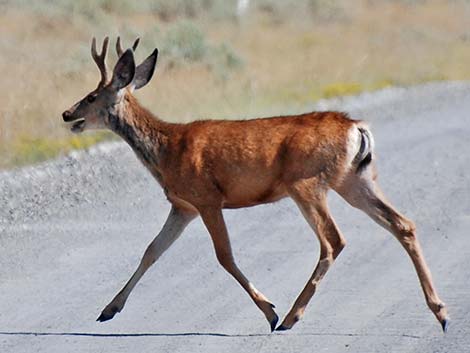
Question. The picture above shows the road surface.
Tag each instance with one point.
(72, 231)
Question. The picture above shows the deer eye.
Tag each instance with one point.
(91, 98)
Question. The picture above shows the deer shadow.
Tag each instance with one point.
(141, 334)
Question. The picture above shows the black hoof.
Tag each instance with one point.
(107, 314)
(274, 323)
(282, 328)
(445, 325)
(104, 317)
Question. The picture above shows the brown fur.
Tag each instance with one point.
(231, 164)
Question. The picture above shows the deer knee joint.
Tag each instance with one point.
(434, 304)
(225, 260)
(408, 226)
(406, 229)
(332, 249)
(338, 247)
(401, 226)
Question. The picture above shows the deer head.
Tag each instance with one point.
(93, 111)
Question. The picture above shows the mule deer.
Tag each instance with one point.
(206, 166)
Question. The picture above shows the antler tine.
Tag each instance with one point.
(136, 43)
(100, 59)
(119, 49)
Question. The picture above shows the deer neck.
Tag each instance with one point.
(144, 132)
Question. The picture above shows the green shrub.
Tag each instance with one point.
(327, 10)
(342, 89)
(28, 150)
(170, 10)
(184, 41)
(222, 60)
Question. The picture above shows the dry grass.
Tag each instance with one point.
(289, 61)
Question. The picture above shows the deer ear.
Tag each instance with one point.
(124, 71)
(144, 72)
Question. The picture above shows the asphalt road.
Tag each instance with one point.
(72, 231)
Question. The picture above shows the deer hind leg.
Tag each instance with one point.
(176, 222)
(215, 224)
(362, 192)
(312, 203)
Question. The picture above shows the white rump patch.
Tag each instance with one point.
(352, 145)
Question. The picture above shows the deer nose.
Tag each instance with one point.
(66, 115)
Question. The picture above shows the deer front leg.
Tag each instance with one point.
(214, 221)
(315, 211)
(176, 222)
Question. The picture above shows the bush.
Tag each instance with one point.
(223, 59)
(342, 89)
(185, 41)
(170, 10)
(28, 150)
(327, 10)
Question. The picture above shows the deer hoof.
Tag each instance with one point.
(282, 328)
(107, 314)
(445, 324)
(104, 317)
(274, 322)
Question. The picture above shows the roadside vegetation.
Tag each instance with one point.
(216, 61)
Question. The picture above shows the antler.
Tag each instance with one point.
(119, 50)
(100, 60)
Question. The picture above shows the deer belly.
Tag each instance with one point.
(258, 190)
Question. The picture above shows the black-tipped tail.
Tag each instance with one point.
(364, 155)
